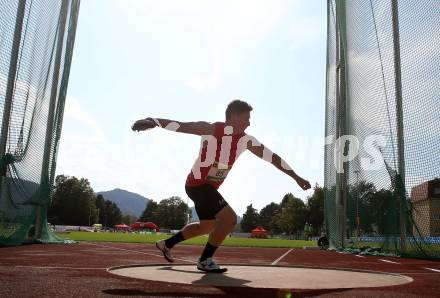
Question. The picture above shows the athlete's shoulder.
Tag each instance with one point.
(218, 129)
(250, 141)
(219, 124)
(249, 137)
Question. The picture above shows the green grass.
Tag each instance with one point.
(201, 240)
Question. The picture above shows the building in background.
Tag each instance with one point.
(425, 199)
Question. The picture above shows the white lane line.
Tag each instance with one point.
(388, 261)
(60, 267)
(277, 260)
(359, 256)
(435, 270)
(140, 252)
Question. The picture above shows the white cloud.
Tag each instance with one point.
(79, 115)
(228, 28)
(83, 145)
(222, 27)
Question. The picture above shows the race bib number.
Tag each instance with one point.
(218, 172)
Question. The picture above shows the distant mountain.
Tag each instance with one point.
(129, 202)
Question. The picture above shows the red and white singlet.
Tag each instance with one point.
(216, 157)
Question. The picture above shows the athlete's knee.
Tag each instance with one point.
(227, 216)
(234, 221)
(230, 220)
(206, 226)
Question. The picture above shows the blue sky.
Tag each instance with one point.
(186, 60)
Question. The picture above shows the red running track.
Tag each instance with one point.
(79, 270)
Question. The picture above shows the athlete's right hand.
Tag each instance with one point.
(143, 124)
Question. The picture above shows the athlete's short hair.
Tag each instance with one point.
(237, 107)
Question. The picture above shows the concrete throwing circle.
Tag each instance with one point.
(264, 276)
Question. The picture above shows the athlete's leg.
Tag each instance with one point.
(189, 231)
(198, 228)
(205, 199)
(226, 219)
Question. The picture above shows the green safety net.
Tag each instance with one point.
(36, 43)
(382, 152)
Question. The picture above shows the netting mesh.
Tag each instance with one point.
(383, 74)
(36, 43)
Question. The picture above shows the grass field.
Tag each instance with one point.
(201, 240)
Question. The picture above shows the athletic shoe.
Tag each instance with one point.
(165, 250)
(209, 265)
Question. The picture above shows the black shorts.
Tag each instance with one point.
(207, 200)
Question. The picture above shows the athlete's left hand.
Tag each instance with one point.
(304, 184)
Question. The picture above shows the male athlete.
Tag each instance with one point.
(221, 144)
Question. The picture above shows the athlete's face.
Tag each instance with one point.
(240, 121)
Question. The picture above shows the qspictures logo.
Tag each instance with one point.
(345, 149)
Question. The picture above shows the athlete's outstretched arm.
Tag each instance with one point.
(263, 152)
(196, 128)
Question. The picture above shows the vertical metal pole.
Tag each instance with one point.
(341, 179)
(73, 21)
(399, 118)
(338, 125)
(357, 203)
(326, 154)
(44, 184)
(344, 187)
(15, 50)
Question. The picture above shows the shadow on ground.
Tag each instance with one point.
(224, 292)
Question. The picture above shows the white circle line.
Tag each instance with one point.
(141, 252)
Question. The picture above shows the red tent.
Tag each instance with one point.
(121, 227)
(144, 226)
(259, 232)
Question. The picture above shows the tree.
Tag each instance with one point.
(100, 206)
(128, 219)
(150, 212)
(172, 213)
(361, 199)
(267, 217)
(315, 206)
(293, 214)
(72, 202)
(109, 212)
(250, 219)
(385, 213)
(112, 214)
